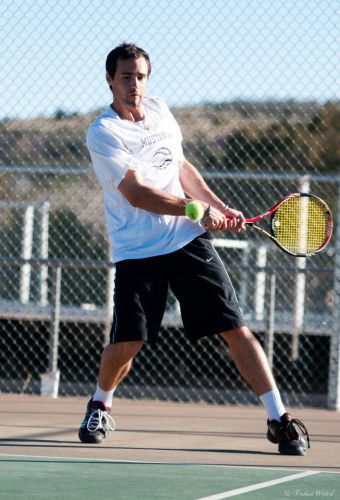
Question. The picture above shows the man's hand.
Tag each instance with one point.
(227, 220)
(235, 220)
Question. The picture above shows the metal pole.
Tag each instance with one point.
(55, 320)
(299, 306)
(43, 253)
(109, 303)
(26, 253)
(300, 288)
(50, 380)
(334, 354)
(271, 321)
(260, 283)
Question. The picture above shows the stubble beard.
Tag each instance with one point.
(134, 102)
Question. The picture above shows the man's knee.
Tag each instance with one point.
(124, 351)
(237, 335)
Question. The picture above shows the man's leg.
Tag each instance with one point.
(252, 364)
(140, 296)
(115, 364)
(250, 359)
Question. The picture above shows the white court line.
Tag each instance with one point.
(258, 486)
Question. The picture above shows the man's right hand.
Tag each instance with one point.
(231, 220)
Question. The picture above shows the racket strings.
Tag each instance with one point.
(300, 225)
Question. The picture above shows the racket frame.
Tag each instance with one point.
(271, 211)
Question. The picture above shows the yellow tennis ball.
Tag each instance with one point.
(194, 210)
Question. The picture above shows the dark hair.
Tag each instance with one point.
(125, 51)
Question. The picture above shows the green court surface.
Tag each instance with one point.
(45, 478)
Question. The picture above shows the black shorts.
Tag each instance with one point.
(198, 279)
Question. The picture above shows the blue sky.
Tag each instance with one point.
(53, 52)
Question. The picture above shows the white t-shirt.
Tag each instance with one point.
(153, 147)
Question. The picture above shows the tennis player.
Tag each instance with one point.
(136, 150)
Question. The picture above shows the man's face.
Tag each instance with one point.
(129, 82)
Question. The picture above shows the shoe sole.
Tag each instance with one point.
(88, 439)
(297, 452)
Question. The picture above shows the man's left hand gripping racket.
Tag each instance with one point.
(300, 224)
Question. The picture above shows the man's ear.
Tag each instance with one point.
(109, 80)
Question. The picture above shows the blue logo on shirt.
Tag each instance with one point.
(163, 158)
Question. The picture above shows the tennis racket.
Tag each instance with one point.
(300, 224)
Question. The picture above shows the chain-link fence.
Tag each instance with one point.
(56, 279)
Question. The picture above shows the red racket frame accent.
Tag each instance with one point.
(273, 208)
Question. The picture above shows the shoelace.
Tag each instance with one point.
(291, 431)
(101, 420)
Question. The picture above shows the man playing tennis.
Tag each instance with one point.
(136, 150)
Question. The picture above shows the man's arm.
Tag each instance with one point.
(155, 200)
(195, 186)
(150, 198)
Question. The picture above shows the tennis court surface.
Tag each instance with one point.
(160, 450)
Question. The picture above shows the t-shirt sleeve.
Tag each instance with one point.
(110, 159)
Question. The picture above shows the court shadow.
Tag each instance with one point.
(50, 443)
(202, 450)
(29, 441)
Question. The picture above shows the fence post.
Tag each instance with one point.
(43, 252)
(243, 294)
(334, 353)
(50, 380)
(26, 253)
(299, 305)
(271, 320)
(260, 282)
(109, 303)
(300, 288)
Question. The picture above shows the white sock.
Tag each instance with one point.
(104, 397)
(272, 402)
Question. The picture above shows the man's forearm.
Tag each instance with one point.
(195, 186)
(158, 201)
